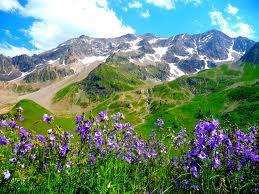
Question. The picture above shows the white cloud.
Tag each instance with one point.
(170, 4)
(135, 4)
(232, 10)
(195, 2)
(9, 5)
(59, 20)
(145, 14)
(10, 50)
(166, 4)
(231, 29)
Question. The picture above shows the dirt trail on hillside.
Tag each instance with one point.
(45, 95)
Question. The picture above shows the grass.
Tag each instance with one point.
(182, 102)
(251, 72)
(33, 114)
(67, 91)
(103, 82)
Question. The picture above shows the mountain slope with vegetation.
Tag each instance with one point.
(183, 102)
(216, 93)
(117, 74)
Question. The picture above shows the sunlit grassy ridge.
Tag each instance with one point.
(33, 114)
(68, 92)
(117, 74)
(102, 82)
(181, 103)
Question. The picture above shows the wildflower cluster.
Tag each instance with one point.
(109, 156)
(222, 152)
(101, 137)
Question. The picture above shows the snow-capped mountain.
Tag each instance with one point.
(183, 53)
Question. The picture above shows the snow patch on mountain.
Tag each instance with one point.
(190, 50)
(92, 59)
(23, 75)
(181, 57)
(53, 61)
(133, 45)
(175, 71)
(160, 51)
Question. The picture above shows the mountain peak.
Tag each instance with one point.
(128, 36)
(215, 33)
(83, 36)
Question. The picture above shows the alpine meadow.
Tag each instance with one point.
(132, 96)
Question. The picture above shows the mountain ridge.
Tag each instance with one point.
(183, 53)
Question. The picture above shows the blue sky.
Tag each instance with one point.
(31, 26)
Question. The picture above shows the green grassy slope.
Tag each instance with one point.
(182, 102)
(229, 95)
(115, 75)
(108, 79)
(33, 114)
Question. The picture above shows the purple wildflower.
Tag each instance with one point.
(194, 171)
(48, 118)
(92, 159)
(159, 122)
(4, 123)
(64, 149)
(23, 133)
(202, 155)
(7, 175)
(78, 119)
(68, 164)
(33, 157)
(40, 138)
(103, 116)
(21, 118)
(216, 163)
(52, 137)
(4, 141)
(13, 124)
(12, 160)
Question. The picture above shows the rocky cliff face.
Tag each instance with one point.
(48, 74)
(183, 53)
(252, 56)
(7, 70)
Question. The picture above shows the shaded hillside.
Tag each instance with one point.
(252, 56)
